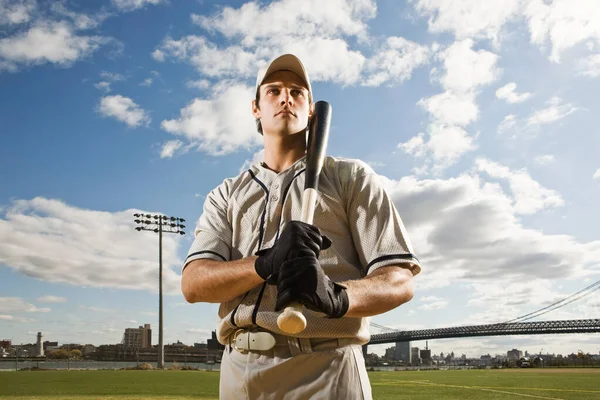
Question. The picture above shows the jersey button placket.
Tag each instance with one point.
(275, 190)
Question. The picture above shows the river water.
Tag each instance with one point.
(78, 365)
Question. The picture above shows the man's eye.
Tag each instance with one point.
(297, 92)
(273, 91)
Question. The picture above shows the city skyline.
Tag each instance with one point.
(478, 117)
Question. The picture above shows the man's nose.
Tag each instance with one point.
(286, 98)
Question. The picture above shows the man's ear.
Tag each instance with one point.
(255, 110)
(311, 110)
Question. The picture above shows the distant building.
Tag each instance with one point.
(425, 356)
(390, 353)
(175, 346)
(87, 349)
(414, 356)
(5, 344)
(402, 352)
(140, 338)
(213, 343)
(514, 354)
(49, 346)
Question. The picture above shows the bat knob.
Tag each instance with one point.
(291, 320)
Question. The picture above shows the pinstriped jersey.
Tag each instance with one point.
(246, 214)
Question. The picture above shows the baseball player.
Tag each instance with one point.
(253, 256)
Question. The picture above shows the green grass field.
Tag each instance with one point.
(553, 384)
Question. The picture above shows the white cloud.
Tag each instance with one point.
(111, 76)
(206, 332)
(149, 313)
(97, 309)
(320, 38)
(105, 86)
(16, 304)
(432, 303)
(169, 148)
(84, 247)
(563, 24)
(201, 84)
(544, 159)
(80, 21)
(123, 109)
(218, 125)
(507, 92)
(555, 111)
(147, 82)
(158, 55)
(130, 5)
(13, 12)
(528, 195)
(466, 230)
(507, 123)
(558, 24)
(310, 18)
(51, 299)
(468, 18)
(52, 42)
(325, 58)
(208, 58)
(445, 146)
(590, 66)
(12, 318)
(500, 302)
(395, 61)
(452, 108)
(596, 174)
(448, 143)
(467, 69)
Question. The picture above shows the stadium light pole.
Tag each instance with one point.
(159, 223)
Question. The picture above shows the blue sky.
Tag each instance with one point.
(479, 117)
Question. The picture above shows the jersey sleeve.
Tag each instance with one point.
(213, 231)
(377, 230)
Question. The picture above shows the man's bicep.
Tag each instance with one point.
(398, 270)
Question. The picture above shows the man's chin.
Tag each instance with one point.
(289, 130)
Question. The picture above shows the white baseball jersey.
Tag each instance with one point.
(247, 213)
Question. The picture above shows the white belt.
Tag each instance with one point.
(244, 341)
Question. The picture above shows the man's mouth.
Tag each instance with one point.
(286, 112)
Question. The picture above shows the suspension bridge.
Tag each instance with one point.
(516, 326)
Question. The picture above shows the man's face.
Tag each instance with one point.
(284, 104)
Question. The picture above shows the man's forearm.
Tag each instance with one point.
(382, 291)
(212, 281)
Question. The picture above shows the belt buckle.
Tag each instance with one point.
(233, 341)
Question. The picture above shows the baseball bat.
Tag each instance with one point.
(291, 320)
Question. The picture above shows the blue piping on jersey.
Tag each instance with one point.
(255, 311)
(260, 239)
(202, 252)
(232, 319)
(262, 218)
(406, 256)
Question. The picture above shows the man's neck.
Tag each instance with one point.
(283, 151)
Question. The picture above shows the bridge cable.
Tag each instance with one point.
(572, 298)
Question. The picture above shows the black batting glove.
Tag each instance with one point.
(298, 239)
(303, 280)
